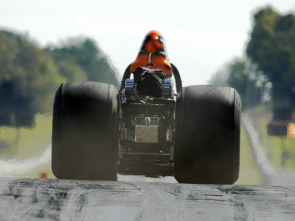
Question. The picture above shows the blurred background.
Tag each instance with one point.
(246, 45)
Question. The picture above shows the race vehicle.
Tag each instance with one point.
(152, 126)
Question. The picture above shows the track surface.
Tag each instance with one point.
(35, 199)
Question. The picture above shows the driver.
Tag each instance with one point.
(153, 54)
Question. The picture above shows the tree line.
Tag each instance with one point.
(269, 61)
(30, 75)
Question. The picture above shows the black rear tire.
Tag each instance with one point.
(207, 147)
(85, 131)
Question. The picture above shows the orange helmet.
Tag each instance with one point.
(152, 54)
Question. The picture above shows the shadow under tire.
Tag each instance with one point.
(85, 131)
(207, 145)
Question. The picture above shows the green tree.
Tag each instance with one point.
(272, 48)
(85, 53)
(28, 79)
(29, 75)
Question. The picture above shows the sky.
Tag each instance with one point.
(201, 36)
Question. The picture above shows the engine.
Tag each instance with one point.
(147, 122)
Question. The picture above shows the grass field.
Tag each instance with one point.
(249, 174)
(27, 143)
(279, 150)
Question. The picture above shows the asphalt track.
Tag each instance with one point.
(45, 199)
